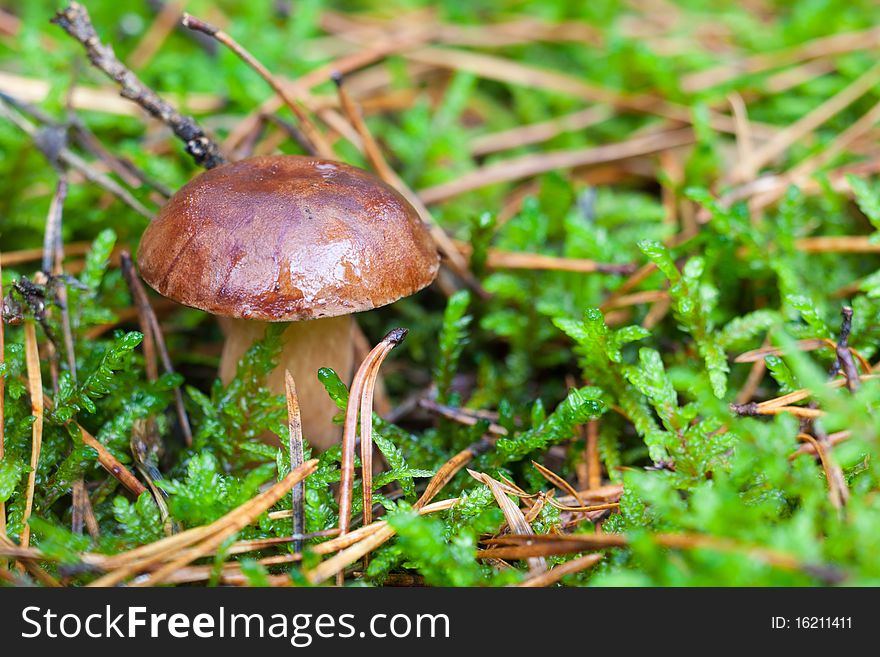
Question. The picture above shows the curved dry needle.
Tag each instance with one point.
(349, 433)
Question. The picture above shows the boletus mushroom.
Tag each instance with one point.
(295, 239)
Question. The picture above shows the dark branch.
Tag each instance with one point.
(76, 22)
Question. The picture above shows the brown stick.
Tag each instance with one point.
(74, 20)
(145, 309)
(74, 161)
(319, 144)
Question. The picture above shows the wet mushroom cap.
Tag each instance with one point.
(287, 238)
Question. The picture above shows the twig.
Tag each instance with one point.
(844, 354)
(319, 145)
(74, 161)
(295, 441)
(35, 389)
(74, 20)
(460, 415)
(146, 309)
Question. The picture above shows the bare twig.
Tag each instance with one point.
(74, 20)
(73, 160)
(319, 145)
(144, 308)
(844, 354)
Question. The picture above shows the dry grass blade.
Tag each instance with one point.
(74, 161)
(536, 133)
(560, 571)
(345, 64)
(837, 244)
(515, 518)
(829, 46)
(369, 538)
(234, 522)
(35, 389)
(524, 546)
(810, 448)
(204, 539)
(594, 464)
(23, 556)
(366, 412)
(160, 29)
(537, 163)
(319, 144)
(504, 70)
(371, 148)
(294, 425)
(757, 355)
(461, 415)
(497, 259)
(804, 126)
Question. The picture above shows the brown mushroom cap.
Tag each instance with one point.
(287, 238)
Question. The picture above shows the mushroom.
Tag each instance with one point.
(287, 238)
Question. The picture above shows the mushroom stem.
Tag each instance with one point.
(308, 346)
